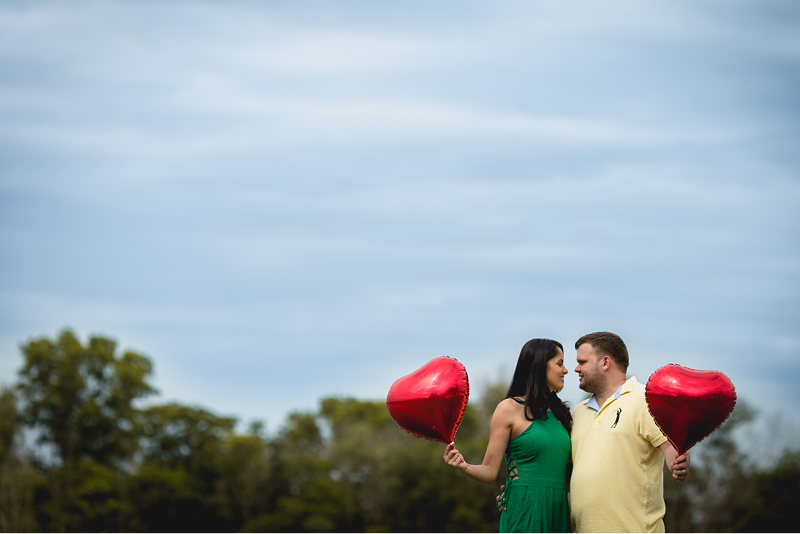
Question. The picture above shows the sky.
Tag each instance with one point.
(283, 201)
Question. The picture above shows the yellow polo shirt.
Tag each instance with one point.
(617, 480)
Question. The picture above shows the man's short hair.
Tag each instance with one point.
(607, 344)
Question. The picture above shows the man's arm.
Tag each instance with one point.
(679, 465)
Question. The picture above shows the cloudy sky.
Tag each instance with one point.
(280, 201)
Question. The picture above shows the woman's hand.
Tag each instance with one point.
(454, 458)
(499, 434)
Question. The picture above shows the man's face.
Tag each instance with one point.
(591, 378)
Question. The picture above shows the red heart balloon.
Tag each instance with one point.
(688, 405)
(430, 402)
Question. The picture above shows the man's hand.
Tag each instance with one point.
(680, 467)
(499, 499)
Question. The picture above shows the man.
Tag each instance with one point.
(617, 449)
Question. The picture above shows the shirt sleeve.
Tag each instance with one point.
(649, 429)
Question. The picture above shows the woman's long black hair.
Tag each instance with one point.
(530, 381)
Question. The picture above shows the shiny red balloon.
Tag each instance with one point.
(430, 402)
(688, 405)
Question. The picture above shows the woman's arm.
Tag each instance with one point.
(499, 434)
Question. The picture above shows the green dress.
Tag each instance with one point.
(535, 497)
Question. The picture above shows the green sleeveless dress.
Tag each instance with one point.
(535, 497)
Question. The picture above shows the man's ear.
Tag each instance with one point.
(606, 363)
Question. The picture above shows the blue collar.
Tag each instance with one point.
(592, 402)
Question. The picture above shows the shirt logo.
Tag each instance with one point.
(619, 411)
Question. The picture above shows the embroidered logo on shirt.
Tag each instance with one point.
(619, 411)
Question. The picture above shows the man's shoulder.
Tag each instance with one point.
(631, 384)
(632, 389)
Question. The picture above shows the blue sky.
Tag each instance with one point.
(282, 201)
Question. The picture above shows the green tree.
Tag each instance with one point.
(79, 400)
(182, 462)
(304, 497)
(166, 500)
(18, 481)
(80, 397)
(185, 437)
(775, 494)
(9, 423)
(244, 476)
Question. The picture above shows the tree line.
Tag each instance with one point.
(77, 453)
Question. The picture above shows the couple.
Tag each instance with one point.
(609, 454)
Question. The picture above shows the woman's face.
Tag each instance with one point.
(556, 372)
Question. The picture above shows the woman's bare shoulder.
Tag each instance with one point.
(507, 407)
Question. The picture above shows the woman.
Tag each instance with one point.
(531, 427)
